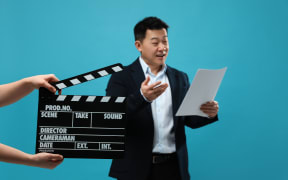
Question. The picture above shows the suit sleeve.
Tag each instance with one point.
(120, 85)
(196, 121)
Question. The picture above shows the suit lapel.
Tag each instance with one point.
(138, 77)
(137, 73)
(173, 78)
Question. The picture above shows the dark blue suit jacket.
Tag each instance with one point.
(136, 163)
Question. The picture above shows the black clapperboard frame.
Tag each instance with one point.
(81, 126)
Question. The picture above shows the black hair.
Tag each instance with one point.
(152, 23)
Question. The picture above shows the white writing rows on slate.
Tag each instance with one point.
(45, 132)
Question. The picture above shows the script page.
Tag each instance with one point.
(203, 89)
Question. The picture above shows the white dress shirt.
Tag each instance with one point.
(164, 138)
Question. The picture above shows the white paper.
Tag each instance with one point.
(203, 89)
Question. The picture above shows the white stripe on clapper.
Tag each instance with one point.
(76, 98)
(75, 81)
(117, 68)
(61, 85)
(119, 99)
(103, 73)
(90, 98)
(61, 98)
(89, 77)
(105, 99)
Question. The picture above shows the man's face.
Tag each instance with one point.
(154, 48)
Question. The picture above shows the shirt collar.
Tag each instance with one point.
(146, 69)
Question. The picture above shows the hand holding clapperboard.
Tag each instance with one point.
(81, 126)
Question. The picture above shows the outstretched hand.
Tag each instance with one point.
(12, 92)
(152, 91)
(43, 81)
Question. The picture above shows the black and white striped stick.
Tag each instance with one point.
(88, 76)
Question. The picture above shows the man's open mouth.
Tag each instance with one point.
(160, 55)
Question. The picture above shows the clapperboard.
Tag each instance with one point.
(81, 126)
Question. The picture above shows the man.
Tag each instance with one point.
(155, 137)
(12, 92)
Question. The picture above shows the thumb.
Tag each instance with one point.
(56, 157)
(146, 81)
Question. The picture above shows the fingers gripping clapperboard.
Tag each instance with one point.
(81, 126)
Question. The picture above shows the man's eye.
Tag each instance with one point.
(155, 43)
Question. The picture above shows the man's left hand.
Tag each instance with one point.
(210, 108)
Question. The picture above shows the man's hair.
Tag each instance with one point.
(152, 23)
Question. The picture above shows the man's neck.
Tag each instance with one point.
(155, 69)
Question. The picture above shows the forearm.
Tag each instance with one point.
(42, 160)
(12, 92)
(12, 155)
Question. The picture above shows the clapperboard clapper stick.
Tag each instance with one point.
(81, 126)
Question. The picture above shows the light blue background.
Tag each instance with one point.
(68, 37)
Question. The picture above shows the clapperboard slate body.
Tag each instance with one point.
(81, 126)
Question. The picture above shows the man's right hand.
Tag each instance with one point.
(152, 91)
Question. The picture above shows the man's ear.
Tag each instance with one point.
(138, 45)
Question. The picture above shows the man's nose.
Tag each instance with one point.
(162, 47)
